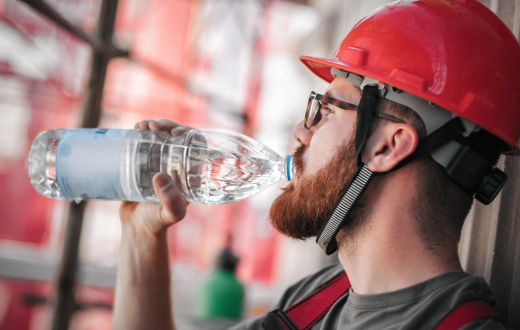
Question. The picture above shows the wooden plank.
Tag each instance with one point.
(477, 244)
(490, 244)
(516, 21)
(43, 8)
(507, 245)
(505, 274)
(480, 247)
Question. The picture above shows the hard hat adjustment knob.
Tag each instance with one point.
(490, 186)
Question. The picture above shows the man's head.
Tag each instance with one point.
(325, 162)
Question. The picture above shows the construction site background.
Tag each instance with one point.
(229, 64)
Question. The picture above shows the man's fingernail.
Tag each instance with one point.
(163, 181)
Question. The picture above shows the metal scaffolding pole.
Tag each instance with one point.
(43, 8)
(63, 302)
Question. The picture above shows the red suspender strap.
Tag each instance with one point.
(468, 312)
(307, 312)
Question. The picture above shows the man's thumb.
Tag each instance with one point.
(173, 202)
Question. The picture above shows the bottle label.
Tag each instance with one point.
(87, 163)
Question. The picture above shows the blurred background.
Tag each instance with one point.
(229, 64)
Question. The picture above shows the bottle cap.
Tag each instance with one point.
(289, 167)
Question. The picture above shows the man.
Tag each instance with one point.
(419, 107)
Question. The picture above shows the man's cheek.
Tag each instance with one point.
(313, 164)
(319, 157)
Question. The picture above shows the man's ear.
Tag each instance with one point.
(389, 145)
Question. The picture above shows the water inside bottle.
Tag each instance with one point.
(216, 177)
(209, 167)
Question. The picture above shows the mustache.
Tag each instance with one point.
(298, 158)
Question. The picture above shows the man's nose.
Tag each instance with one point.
(302, 134)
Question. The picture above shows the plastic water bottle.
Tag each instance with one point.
(211, 166)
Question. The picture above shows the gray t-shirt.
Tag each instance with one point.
(417, 307)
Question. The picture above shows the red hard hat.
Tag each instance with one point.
(456, 54)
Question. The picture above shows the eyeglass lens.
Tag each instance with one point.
(312, 113)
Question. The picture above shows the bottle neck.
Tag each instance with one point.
(289, 169)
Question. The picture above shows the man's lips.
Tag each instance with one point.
(299, 161)
(294, 179)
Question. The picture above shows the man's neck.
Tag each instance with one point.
(388, 254)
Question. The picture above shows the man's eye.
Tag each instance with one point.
(327, 110)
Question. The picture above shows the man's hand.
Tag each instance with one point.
(142, 299)
(152, 217)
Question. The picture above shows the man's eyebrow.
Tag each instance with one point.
(329, 94)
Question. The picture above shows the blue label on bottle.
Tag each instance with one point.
(87, 163)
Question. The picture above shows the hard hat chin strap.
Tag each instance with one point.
(367, 106)
(352, 192)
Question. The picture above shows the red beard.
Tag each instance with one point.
(302, 209)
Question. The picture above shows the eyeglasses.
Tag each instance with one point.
(316, 101)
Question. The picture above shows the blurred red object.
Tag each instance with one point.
(44, 91)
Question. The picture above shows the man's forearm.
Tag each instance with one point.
(142, 298)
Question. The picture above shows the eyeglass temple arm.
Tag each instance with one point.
(388, 117)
